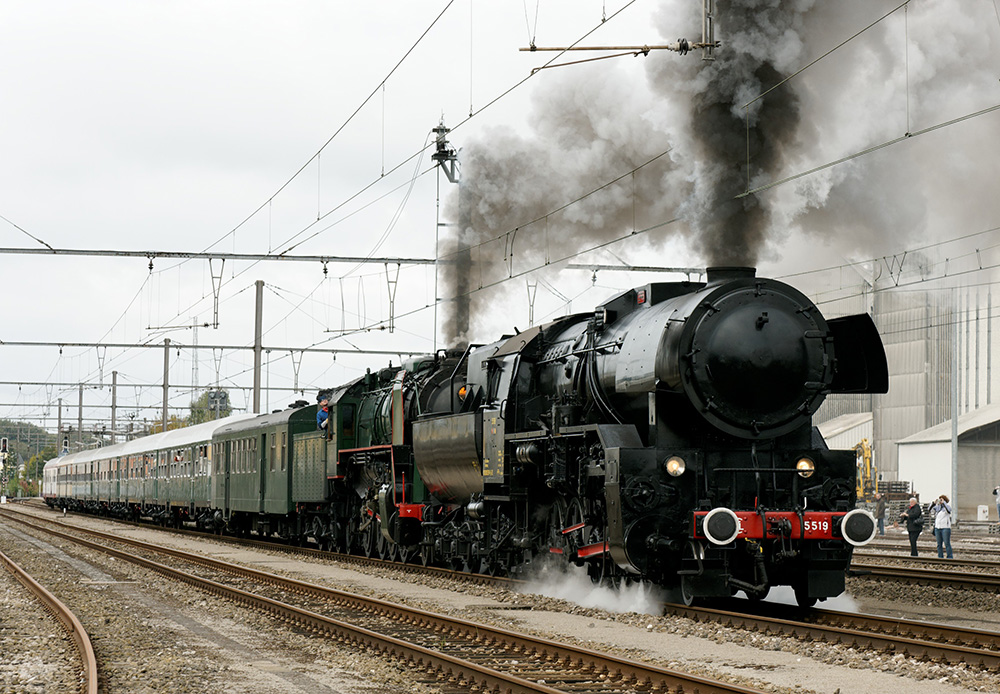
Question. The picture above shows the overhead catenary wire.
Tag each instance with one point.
(907, 134)
(555, 210)
(411, 157)
(869, 150)
(460, 124)
(417, 154)
(26, 233)
(345, 123)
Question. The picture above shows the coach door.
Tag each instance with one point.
(260, 467)
(227, 463)
(220, 475)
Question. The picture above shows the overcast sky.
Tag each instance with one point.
(173, 126)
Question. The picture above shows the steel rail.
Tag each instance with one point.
(605, 669)
(932, 561)
(68, 620)
(931, 547)
(915, 639)
(961, 579)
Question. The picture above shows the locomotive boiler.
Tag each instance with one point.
(667, 436)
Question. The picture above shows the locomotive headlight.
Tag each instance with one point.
(805, 467)
(675, 466)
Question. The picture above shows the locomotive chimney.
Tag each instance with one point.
(723, 273)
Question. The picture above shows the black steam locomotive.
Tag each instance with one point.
(667, 436)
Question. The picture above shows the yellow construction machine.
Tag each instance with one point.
(867, 477)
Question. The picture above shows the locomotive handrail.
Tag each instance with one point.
(451, 381)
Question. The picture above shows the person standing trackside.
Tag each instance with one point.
(996, 489)
(880, 512)
(914, 518)
(942, 525)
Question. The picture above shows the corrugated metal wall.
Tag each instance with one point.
(915, 331)
(979, 473)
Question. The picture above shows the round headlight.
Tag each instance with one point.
(675, 466)
(805, 467)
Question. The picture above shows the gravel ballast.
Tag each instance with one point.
(155, 635)
(771, 663)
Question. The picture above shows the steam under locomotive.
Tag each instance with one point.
(667, 436)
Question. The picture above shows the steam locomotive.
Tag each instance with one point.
(667, 436)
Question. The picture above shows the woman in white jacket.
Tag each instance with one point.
(942, 525)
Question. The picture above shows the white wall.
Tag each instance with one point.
(927, 466)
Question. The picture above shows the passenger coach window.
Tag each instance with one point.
(284, 449)
(273, 450)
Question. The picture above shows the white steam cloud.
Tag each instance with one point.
(572, 584)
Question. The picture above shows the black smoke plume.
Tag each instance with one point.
(730, 125)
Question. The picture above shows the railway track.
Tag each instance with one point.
(81, 640)
(456, 654)
(929, 576)
(920, 640)
(985, 564)
(929, 549)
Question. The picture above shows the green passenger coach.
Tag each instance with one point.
(252, 472)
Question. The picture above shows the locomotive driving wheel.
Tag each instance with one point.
(364, 535)
(408, 554)
(320, 533)
(384, 549)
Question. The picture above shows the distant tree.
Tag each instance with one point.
(211, 404)
(29, 478)
(36, 463)
(173, 422)
(25, 439)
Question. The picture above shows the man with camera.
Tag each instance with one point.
(942, 525)
(914, 518)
